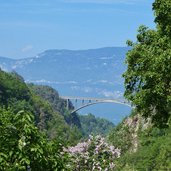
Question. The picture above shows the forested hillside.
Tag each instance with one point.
(35, 124)
(15, 94)
(143, 146)
(95, 126)
(87, 124)
(23, 145)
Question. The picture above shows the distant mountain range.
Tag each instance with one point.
(83, 70)
(90, 73)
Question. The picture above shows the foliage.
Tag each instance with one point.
(148, 87)
(148, 79)
(14, 93)
(12, 88)
(72, 119)
(153, 153)
(54, 117)
(59, 129)
(163, 16)
(77, 124)
(151, 145)
(57, 104)
(50, 112)
(95, 126)
(95, 154)
(51, 95)
(126, 134)
(120, 137)
(23, 147)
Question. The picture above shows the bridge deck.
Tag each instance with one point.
(90, 98)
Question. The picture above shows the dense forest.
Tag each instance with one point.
(38, 132)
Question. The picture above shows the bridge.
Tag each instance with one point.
(87, 101)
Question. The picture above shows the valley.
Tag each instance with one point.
(86, 73)
(68, 105)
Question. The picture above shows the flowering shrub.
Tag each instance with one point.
(93, 155)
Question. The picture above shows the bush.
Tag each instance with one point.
(95, 155)
(24, 147)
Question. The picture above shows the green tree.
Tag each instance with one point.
(92, 125)
(163, 16)
(24, 147)
(148, 78)
(12, 89)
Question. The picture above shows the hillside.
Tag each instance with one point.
(143, 146)
(88, 124)
(48, 108)
(15, 94)
(92, 125)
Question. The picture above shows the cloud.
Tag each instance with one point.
(83, 89)
(104, 82)
(51, 82)
(27, 48)
(111, 94)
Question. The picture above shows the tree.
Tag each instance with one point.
(163, 16)
(24, 147)
(148, 75)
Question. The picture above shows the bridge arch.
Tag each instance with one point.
(93, 101)
(96, 102)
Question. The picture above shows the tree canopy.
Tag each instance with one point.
(148, 75)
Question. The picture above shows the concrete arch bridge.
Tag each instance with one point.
(88, 101)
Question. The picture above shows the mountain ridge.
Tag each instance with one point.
(70, 50)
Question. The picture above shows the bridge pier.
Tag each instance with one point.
(67, 105)
(76, 103)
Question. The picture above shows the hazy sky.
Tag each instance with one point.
(28, 27)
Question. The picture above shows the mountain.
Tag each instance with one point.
(6, 63)
(86, 73)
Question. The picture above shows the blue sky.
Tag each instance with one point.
(28, 27)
